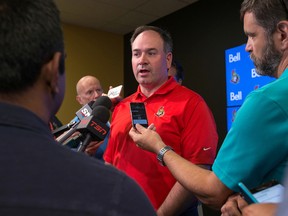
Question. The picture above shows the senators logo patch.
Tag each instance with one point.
(160, 112)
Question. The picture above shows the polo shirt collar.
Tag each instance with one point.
(168, 86)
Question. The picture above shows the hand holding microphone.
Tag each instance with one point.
(85, 111)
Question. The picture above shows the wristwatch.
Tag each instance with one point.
(161, 153)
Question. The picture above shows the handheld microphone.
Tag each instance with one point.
(86, 110)
(103, 101)
(63, 137)
(99, 111)
(74, 140)
(94, 127)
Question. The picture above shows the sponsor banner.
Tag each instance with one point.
(241, 76)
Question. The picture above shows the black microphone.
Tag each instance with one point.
(67, 134)
(103, 101)
(94, 127)
(74, 140)
(84, 111)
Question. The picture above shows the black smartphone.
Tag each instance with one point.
(138, 114)
(268, 192)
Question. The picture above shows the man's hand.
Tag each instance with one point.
(237, 206)
(146, 138)
(92, 147)
(233, 206)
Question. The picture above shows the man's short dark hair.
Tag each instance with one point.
(30, 33)
(268, 13)
(165, 35)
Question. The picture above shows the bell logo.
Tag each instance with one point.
(235, 58)
(236, 97)
(254, 73)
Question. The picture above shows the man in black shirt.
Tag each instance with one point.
(39, 176)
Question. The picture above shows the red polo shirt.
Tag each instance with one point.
(183, 121)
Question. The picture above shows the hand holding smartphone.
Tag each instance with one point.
(138, 114)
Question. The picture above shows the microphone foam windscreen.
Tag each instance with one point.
(103, 101)
(101, 113)
(91, 103)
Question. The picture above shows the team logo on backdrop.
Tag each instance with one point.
(234, 114)
(235, 78)
(160, 112)
(256, 87)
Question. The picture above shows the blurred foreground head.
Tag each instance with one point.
(32, 55)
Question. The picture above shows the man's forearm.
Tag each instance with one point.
(178, 200)
(203, 183)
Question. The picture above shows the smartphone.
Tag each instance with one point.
(268, 192)
(138, 114)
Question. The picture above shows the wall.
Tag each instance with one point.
(201, 33)
(89, 52)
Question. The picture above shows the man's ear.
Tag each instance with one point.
(78, 98)
(51, 72)
(282, 27)
(169, 57)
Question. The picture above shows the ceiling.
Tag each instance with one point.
(117, 16)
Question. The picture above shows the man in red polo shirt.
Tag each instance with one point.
(180, 115)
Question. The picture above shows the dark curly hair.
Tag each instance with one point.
(30, 33)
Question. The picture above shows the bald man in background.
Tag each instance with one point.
(88, 89)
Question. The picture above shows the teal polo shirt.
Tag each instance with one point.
(256, 148)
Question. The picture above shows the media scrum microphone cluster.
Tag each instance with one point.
(90, 121)
(94, 127)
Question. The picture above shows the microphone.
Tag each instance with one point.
(94, 127)
(74, 140)
(101, 112)
(63, 137)
(84, 111)
(103, 101)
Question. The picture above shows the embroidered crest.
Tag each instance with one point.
(160, 112)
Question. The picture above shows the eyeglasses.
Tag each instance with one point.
(285, 8)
